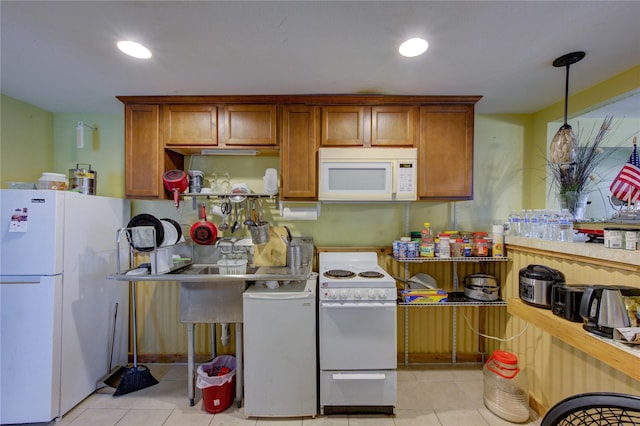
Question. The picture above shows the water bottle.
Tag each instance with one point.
(565, 227)
(514, 223)
(553, 227)
(534, 226)
(526, 228)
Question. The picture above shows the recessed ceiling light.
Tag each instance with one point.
(413, 47)
(134, 49)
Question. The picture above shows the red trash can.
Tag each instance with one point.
(217, 379)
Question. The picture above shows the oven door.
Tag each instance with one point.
(357, 335)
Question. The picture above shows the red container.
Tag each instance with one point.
(218, 398)
(217, 390)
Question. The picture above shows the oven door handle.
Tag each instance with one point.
(356, 376)
(349, 305)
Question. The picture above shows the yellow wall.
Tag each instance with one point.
(26, 141)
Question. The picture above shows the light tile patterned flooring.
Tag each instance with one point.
(427, 395)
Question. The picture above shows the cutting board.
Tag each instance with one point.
(274, 252)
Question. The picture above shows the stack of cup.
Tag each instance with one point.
(270, 181)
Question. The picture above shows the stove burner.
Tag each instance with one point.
(339, 273)
(371, 274)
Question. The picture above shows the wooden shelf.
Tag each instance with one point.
(614, 354)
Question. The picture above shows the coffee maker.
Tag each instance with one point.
(602, 308)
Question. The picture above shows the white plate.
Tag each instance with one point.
(170, 233)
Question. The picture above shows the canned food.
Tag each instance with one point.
(631, 240)
(613, 238)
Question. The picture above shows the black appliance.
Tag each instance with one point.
(565, 301)
(536, 283)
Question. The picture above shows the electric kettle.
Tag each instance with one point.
(602, 308)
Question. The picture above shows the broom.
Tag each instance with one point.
(137, 377)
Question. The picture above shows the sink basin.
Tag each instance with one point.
(212, 270)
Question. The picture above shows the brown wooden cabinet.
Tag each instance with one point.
(376, 126)
(249, 125)
(299, 145)
(161, 130)
(145, 159)
(445, 152)
(394, 126)
(190, 125)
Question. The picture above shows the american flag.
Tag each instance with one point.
(626, 186)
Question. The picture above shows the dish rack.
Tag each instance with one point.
(232, 266)
(159, 260)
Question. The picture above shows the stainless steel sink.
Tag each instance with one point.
(212, 270)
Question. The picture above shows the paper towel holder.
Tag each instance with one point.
(300, 213)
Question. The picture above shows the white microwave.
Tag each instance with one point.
(368, 174)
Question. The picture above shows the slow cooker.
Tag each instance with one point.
(536, 284)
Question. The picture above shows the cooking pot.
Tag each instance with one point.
(203, 232)
(536, 284)
(481, 287)
(175, 181)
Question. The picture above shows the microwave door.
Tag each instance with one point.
(366, 181)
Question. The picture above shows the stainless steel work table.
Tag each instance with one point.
(217, 289)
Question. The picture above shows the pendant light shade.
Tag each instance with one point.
(563, 144)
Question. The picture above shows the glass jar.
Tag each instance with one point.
(458, 247)
(506, 387)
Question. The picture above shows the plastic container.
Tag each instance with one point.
(497, 237)
(445, 246)
(232, 266)
(506, 387)
(217, 390)
(426, 232)
(56, 181)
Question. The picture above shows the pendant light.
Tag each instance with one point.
(563, 145)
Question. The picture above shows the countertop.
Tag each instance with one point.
(593, 251)
(263, 273)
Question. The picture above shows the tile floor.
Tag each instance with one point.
(426, 396)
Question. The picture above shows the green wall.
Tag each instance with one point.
(26, 141)
(509, 169)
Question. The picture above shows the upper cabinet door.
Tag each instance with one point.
(143, 151)
(445, 154)
(193, 125)
(394, 126)
(346, 126)
(250, 125)
(300, 136)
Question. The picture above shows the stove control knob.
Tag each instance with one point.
(333, 294)
(372, 294)
(382, 294)
(343, 294)
(357, 294)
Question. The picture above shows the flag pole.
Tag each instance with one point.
(635, 140)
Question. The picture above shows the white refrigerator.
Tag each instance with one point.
(280, 357)
(57, 309)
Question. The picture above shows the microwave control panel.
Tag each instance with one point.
(406, 177)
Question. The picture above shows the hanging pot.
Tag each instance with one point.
(203, 232)
(175, 181)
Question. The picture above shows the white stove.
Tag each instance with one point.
(354, 276)
(357, 332)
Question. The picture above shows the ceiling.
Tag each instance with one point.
(61, 56)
